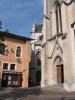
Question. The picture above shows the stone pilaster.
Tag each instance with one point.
(43, 67)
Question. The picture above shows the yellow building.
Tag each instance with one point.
(14, 60)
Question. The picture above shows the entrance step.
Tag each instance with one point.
(54, 88)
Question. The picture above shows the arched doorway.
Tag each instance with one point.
(38, 69)
(59, 70)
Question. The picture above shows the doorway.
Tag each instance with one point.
(11, 79)
(4, 80)
(38, 78)
(60, 74)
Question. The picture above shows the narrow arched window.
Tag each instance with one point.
(38, 55)
(18, 51)
(56, 16)
(58, 19)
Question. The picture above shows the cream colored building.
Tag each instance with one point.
(58, 44)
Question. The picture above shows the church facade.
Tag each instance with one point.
(58, 44)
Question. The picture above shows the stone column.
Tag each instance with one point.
(33, 36)
(43, 67)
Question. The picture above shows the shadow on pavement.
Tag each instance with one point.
(19, 93)
(15, 93)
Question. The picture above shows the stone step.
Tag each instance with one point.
(56, 87)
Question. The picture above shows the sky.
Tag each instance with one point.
(18, 15)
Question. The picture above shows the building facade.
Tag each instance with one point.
(14, 60)
(35, 68)
(58, 44)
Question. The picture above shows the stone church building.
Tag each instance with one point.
(58, 44)
(35, 68)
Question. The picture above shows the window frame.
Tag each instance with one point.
(58, 16)
(38, 62)
(5, 48)
(16, 51)
(58, 19)
(9, 66)
(6, 63)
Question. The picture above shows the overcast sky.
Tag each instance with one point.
(18, 15)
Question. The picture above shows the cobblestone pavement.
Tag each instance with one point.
(35, 93)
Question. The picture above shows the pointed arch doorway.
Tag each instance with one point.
(38, 69)
(59, 70)
(60, 74)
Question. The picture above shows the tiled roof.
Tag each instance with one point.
(2, 34)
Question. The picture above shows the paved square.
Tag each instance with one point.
(35, 93)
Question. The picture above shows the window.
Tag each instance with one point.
(2, 48)
(40, 37)
(5, 66)
(58, 19)
(38, 62)
(8, 66)
(18, 51)
(38, 55)
(12, 66)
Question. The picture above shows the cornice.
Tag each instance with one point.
(68, 2)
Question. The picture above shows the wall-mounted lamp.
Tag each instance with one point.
(24, 69)
(12, 50)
